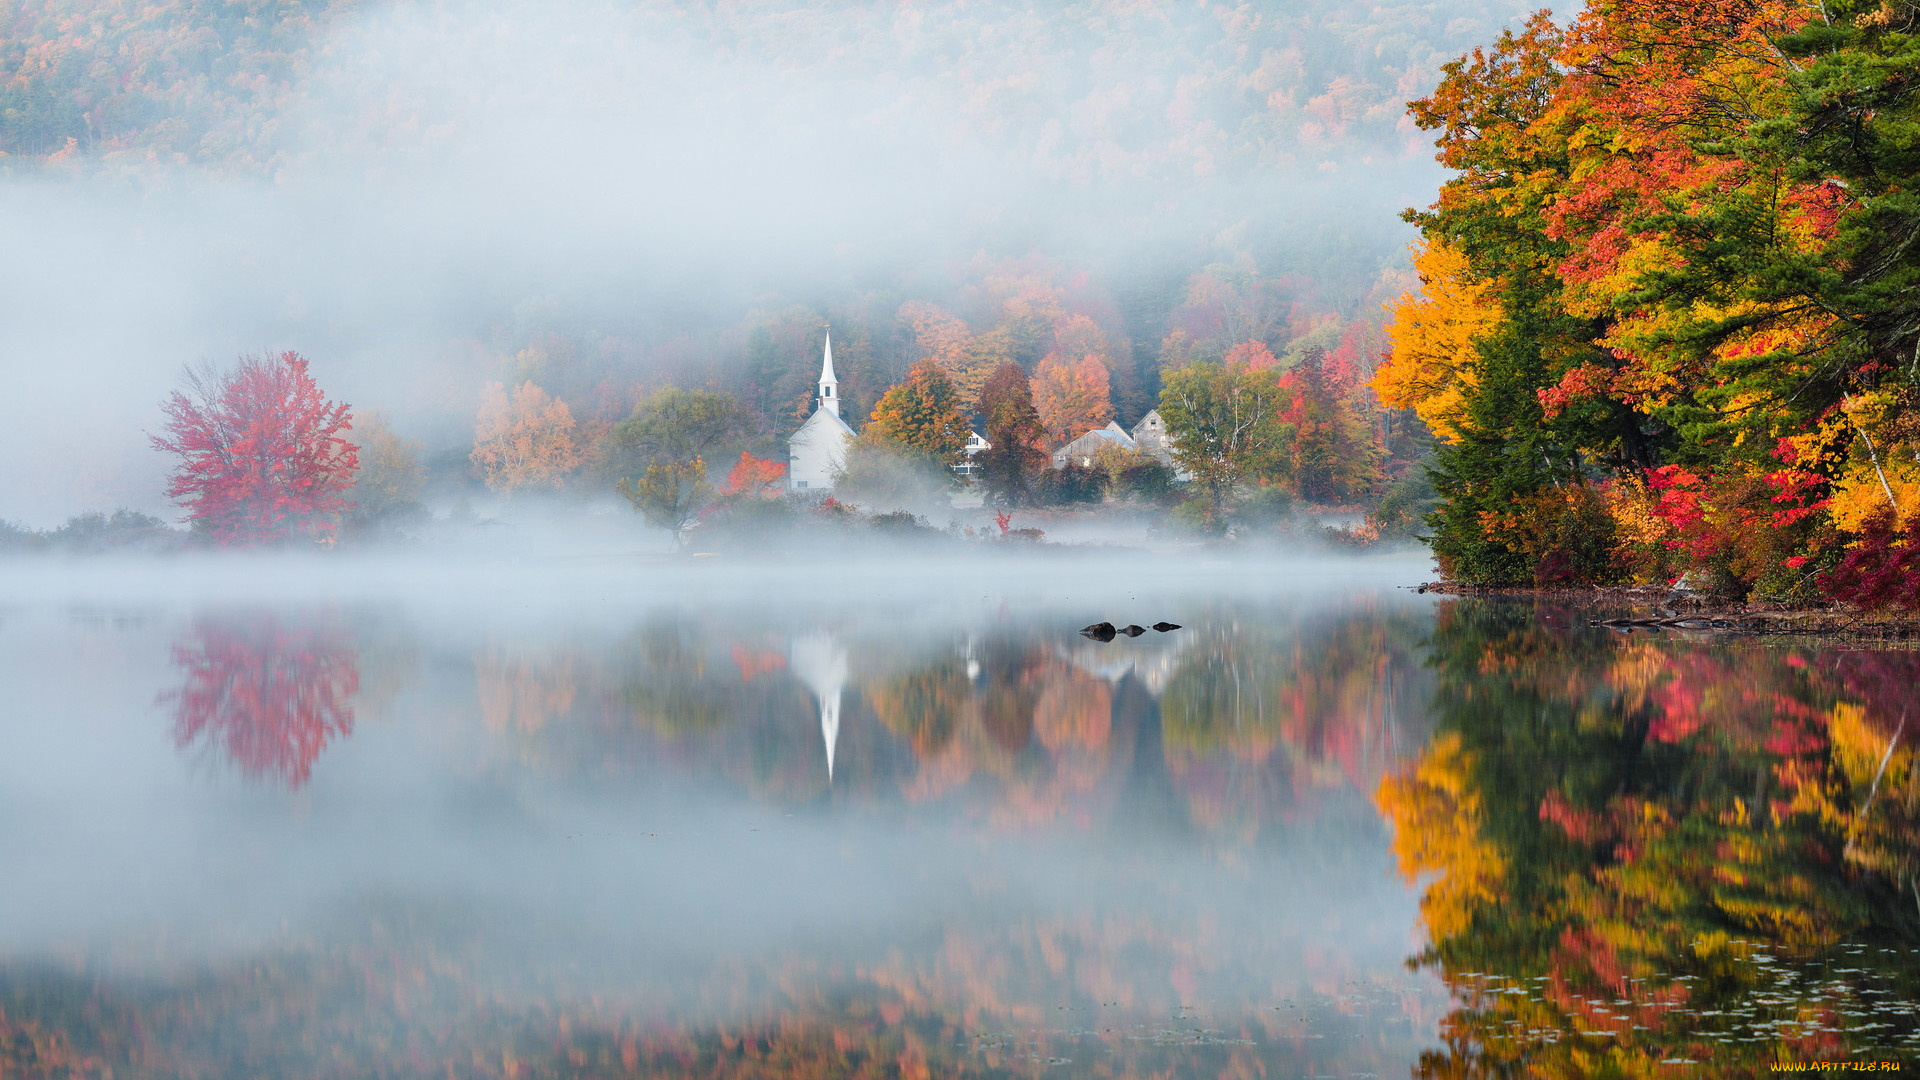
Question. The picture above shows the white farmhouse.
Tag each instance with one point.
(818, 451)
(1081, 451)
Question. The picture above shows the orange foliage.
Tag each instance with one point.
(1253, 354)
(1071, 399)
(524, 441)
(758, 478)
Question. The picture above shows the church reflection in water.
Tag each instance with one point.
(1628, 854)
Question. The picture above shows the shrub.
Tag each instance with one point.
(15, 537)
(1266, 505)
(1148, 481)
(1406, 504)
(1199, 515)
(95, 532)
(1564, 531)
(1882, 570)
(1072, 484)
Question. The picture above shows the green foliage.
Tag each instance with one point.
(923, 414)
(1407, 503)
(1199, 515)
(1225, 420)
(386, 488)
(1072, 484)
(673, 425)
(669, 495)
(1263, 506)
(1147, 481)
(882, 471)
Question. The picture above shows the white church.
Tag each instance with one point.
(818, 451)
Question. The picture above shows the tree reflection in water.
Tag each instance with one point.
(269, 691)
(1658, 850)
(1243, 755)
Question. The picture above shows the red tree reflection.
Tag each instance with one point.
(268, 692)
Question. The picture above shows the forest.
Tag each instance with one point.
(1665, 329)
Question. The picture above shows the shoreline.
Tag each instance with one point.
(1663, 609)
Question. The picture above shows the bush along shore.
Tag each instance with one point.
(1629, 609)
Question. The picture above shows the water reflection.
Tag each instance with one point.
(1656, 850)
(715, 843)
(267, 693)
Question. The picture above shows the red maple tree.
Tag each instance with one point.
(761, 478)
(270, 694)
(262, 460)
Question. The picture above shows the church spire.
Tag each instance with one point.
(829, 386)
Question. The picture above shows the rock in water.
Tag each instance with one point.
(1163, 627)
(1100, 631)
(1132, 631)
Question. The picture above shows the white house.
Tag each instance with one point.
(1081, 451)
(975, 444)
(818, 451)
(1150, 434)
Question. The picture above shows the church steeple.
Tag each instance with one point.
(829, 386)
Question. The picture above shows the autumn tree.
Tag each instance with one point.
(1434, 359)
(1016, 450)
(755, 478)
(262, 458)
(268, 693)
(1071, 397)
(390, 477)
(676, 425)
(923, 413)
(1334, 453)
(524, 441)
(1225, 419)
(945, 341)
(669, 494)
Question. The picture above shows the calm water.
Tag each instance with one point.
(592, 819)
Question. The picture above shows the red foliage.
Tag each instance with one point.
(1253, 354)
(261, 457)
(1882, 570)
(269, 694)
(759, 478)
(1003, 519)
(1583, 383)
(756, 662)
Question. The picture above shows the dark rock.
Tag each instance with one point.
(1100, 631)
(1133, 631)
(1163, 627)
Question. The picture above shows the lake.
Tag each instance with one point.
(604, 817)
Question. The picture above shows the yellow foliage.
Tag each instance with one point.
(1436, 818)
(1434, 359)
(525, 441)
(1859, 494)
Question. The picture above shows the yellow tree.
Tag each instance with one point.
(523, 441)
(1072, 398)
(944, 339)
(1432, 366)
(923, 413)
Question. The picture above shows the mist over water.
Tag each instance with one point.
(605, 792)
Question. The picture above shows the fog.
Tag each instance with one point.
(441, 177)
(522, 800)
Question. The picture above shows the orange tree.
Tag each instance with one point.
(923, 413)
